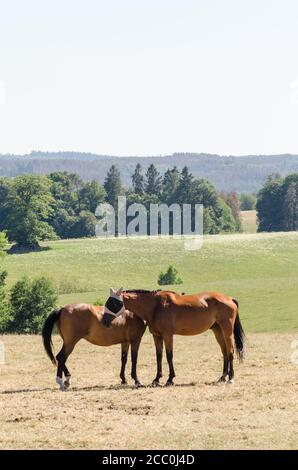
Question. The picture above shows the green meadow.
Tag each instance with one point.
(260, 270)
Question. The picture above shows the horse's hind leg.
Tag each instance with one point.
(61, 359)
(124, 352)
(221, 341)
(134, 345)
(67, 376)
(169, 352)
(227, 330)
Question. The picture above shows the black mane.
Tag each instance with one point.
(145, 291)
(141, 291)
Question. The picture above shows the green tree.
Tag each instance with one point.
(113, 186)
(290, 210)
(184, 192)
(224, 219)
(91, 195)
(29, 204)
(231, 199)
(153, 180)
(270, 205)
(31, 302)
(169, 278)
(65, 189)
(218, 216)
(203, 192)
(3, 244)
(5, 315)
(170, 184)
(6, 185)
(75, 204)
(247, 202)
(63, 222)
(4, 304)
(84, 225)
(144, 199)
(138, 180)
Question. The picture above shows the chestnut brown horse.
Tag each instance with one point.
(77, 321)
(168, 313)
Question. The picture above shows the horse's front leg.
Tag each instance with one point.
(169, 352)
(134, 359)
(124, 352)
(158, 340)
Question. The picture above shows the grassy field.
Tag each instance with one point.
(260, 270)
(249, 221)
(259, 411)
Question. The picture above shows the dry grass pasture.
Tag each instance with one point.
(249, 221)
(259, 411)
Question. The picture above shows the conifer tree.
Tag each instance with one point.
(138, 180)
(113, 185)
(153, 180)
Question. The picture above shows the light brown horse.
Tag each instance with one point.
(77, 321)
(168, 313)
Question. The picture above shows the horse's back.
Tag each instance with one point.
(202, 299)
(85, 321)
(196, 313)
(76, 319)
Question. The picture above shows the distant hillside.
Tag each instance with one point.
(242, 174)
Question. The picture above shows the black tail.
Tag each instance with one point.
(239, 335)
(47, 333)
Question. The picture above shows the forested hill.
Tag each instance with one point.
(241, 174)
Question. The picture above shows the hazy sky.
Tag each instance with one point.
(146, 77)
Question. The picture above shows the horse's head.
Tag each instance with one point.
(114, 307)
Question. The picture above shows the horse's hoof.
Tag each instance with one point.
(221, 380)
(169, 383)
(67, 382)
(231, 381)
(61, 384)
(155, 384)
(139, 385)
(124, 382)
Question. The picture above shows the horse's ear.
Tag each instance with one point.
(112, 292)
(119, 291)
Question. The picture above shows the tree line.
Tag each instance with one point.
(227, 173)
(62, 205)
